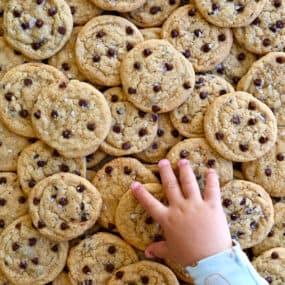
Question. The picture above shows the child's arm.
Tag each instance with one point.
(196, 229)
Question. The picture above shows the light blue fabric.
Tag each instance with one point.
(230, 267)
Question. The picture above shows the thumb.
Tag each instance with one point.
(157, 249)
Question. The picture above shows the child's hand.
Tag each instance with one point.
(194, 227)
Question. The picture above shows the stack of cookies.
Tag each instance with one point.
(94, 93)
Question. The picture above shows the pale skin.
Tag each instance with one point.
(195, 227)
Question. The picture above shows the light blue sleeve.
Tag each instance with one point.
(230, 267)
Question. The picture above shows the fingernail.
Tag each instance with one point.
(135, 185)
(148, 254)
(163, 162)
(183, 162)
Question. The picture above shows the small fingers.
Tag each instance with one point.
(157, 249)
(154, 208)
(212, 189)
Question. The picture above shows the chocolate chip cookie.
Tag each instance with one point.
(166, 137)
(230, 13)
(236, 65)
(13, 201)
(201, 43)
(240, 127)
(19, 89)
(201, 157)
(132, 130)
(144, 272)
(39, 161)
(156, 77)
(249, 212)
(133, 222)
(269, 170)
(96, 258)
(266, 32)
(74, 118)
(27, 257)
(39, 29)
(101, 45)
(271, 264)
(83, 11)
(152, 13)
(151, 33)
(188, 118)
(63, 206)
(119, 5)
(264, 80)
(113, 180)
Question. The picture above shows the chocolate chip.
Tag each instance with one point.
(175, 133)
(18, 226)
(187, 53)
(222, 37)
(269, 279)
(24, 113)
(184, 153)
(32, 241)
(144, 279)
(227, 202)
(248, 211)
(41, 163)
(147, 52)
(158, 237)
(65, 66)
(54, 248)
(271, 233)
(274, 255)
(263, 140)
(100, 34)
(72, 10)
(25, 26)
(35, 260)
(132, 90)
(54, 114)
(279, 24)
(66, 134)
(32, 183)
(277, 3)
(15, 246)
(154, 145)
(186, 85)
(155, 108)
(251, 105)
(119, 274)
(156, 87)
(143, 132)
(2, 223)
(64, 226)
(3, 180)
(108, 169)
(17, 13)
(3, 202)
(234, 216)
(126, 146)
(116, 129)
(111, 226)
(86, 269)
(236, 119)
(206, 48)
(257, 82)
(129, 46)
(149, 220)
(22, 200)
(280, 157)
(36, 201)
(243, 202)
(63, 167)
(239, 8)
(243, 147)
(219, 136)
(23, 265)
(174, 33)
(96, 58)
(154, 117)
(109, 267)
(192, 12)
(112, 249)
(160, 133)
(137, 65)
(61, 30)
(203, 95)
(154, 10)
(41, 224)
(268, 172)
(39, 2)
(114, 98)
(39, 23)
(168, 66)
(52, 11)
(1, 12)
(127, 170)
(80, 188)
(266, 42)
(254, 225)
(211, 162)
(91, 126)
(9, 96)
(252, 122)
(129, 30)
(37, 114)
(111, 52)
(63, 201)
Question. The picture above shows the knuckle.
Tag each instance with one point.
(170, 184)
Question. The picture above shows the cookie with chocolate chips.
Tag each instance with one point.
(27, 257)
(200, 42)
(74, 118)
(166, 137)
(249, 212)
(19, 89)
(133, 222)
(151, 33)
(113, 180)
(39, 29)
(230, 13)
(201, 157)
(152, 13)
(101, 45)
(269, 170)
(236, 65)
(13, 201)
(63, 206)
(271, 265)
(264, 80)
(240, 127)
(39, 161)
(266, 32)
(119, 5)
(188, 118)
(83, 11)
(132, 130)
(144, 272)
(95, 259)
(156, 77)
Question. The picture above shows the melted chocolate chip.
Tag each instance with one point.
(147, 52)
(251, 105)
(15, 246)
(155, 108)
(100, 34)
(109, 267)
(257, 82)
(127, 170)
(86, 269)
(126, 146)
(168, 66)
(119, 274)
(280, 59)
(80, 188)
(222, 37)
(64, 168)
(61, 30)
(192, 12)
(132, 90)
(32, 241)
(66, 134)
(108, 169)
(137, 65)
(96, 58)
(91, 126)
(112, 249)
(129, 30)
(129, 46)
(3, 180)
(54, 248)
(143, 132)
(243, 147)
(64, 226)
(52, 11)
(36, 201)
(3, 202)
(211, 162)
(25, 26)
(9, 96)
(175, 133)
(149, 220)
(23, 265)
(186, 85)
(274, 255)
(154, 10)
(227, 202)
(22, 200)
(266, 42)
(184, 153)
(2, 223)
(271, 233)
(41, 224)
(252, 122)
(280, 157)
(35, 260)
(219, 136)
(17, 13)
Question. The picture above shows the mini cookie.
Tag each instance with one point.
(263, 80)
(19, 89)
(74, 118)
(113, 180)
(63, 206)
(9, 57)
(269, 170)
(39, 29)
(152, 13)
(39, 161)
(101, 45)
(156, 77)
(249, 212)
(271, 265)
(166, 137)
(202, 43)
(82, 11)
(132, 130)
(13, 202)
(65, 59)
(230, 13)
(188, 118)
(119, 5)
(95, 259)
(201, 157)
(240, 127)
(133, 222)
(266, 33)
(144, 272)
(180, 272)
(151, 33)
(236, 65)
(27, 257)
(275, 238)
(62, 279)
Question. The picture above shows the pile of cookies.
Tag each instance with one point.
(93, 93)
